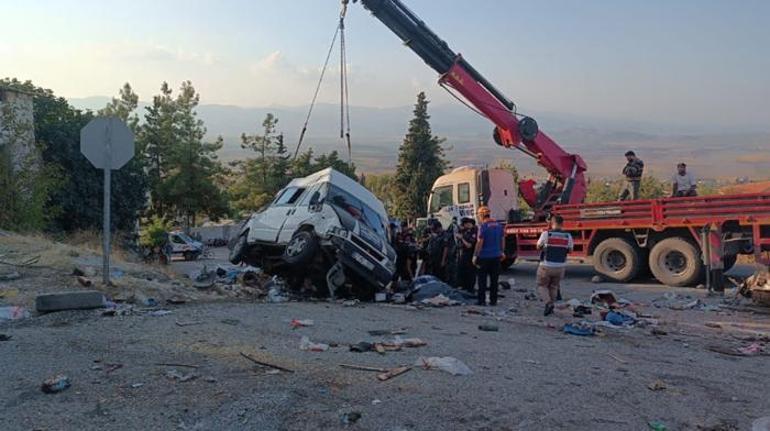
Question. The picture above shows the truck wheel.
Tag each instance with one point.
(301, 249)
(238, 249)
(617, 259)
(188, 256)
(676, 262)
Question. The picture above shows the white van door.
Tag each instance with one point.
(299, 214)
(266, 225)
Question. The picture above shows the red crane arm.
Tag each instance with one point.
(566, 183)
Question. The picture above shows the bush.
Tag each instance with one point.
(154, 233)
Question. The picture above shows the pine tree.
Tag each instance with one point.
(421, 160)
(155, 140)
(193, 163)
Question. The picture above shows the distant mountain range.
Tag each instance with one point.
(377, 132)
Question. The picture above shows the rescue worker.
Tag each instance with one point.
(437, 250)
(487, 256)
(466, 244)
(633, 173)
(449, 262)
(684, 183)
(554, 244)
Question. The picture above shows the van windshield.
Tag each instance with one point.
(353, 206)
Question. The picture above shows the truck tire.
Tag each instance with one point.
(238, 249)
(617, 259)
(301, 249)
(676, 262)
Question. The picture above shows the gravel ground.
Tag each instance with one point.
(526, 376)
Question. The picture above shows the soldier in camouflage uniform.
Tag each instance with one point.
(633, 173)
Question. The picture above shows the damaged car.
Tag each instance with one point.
(325, 227)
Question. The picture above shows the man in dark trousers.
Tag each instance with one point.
(487, 256)
(554, 244)
(633, 173)
(466, 245)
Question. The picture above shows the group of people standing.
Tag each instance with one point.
(470, 257)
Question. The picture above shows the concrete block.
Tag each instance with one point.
(79, 300)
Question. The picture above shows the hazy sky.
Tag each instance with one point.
(678, 61)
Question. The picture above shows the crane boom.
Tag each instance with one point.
(566, 183)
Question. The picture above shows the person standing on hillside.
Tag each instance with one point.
(487, 256)
(684, 183)
(554, 244)
(633, 173)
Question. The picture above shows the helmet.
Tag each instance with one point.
(483, 212)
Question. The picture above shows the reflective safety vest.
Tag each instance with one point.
(556, 247)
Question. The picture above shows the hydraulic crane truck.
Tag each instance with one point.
(676, 239)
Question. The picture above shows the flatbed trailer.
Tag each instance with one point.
(666, 236)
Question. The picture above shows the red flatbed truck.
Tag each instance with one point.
(623, 239)
(663, 236)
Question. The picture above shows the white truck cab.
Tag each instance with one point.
(461, 192)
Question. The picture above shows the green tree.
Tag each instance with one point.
(72, 188)
(608, 190)
(421, 160)
(383, 186)
(193, 164)
(123, 107)
(156, 139)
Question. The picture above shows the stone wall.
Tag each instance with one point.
(17, 133)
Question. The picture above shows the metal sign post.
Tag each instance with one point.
(108, 144)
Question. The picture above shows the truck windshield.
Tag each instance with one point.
(440, 198)
(353, 206)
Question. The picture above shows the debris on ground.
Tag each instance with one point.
(295, 323)
(13, 312)
(657, 385)
(55, 384)
(350, 418)
(754, 349)
(619, 319)
(175, 374)
(597, 279)
(679, 302)
(276, 291)
(266, 364)
(489, 328)
(5, 337)
(82, 300)
(350, 303)
(757, 287)
(84, 281)
(582, 328)
(309, 346)
(364, 368)
(607, 298)
(429, 290)
(392, 373)
(448, 364)
(657, 426)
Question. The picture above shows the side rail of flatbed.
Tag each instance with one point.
(663, 236)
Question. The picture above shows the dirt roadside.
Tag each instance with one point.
(526, 376)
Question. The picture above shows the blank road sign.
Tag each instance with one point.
(107, 141)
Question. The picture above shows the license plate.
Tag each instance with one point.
(363, 261)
